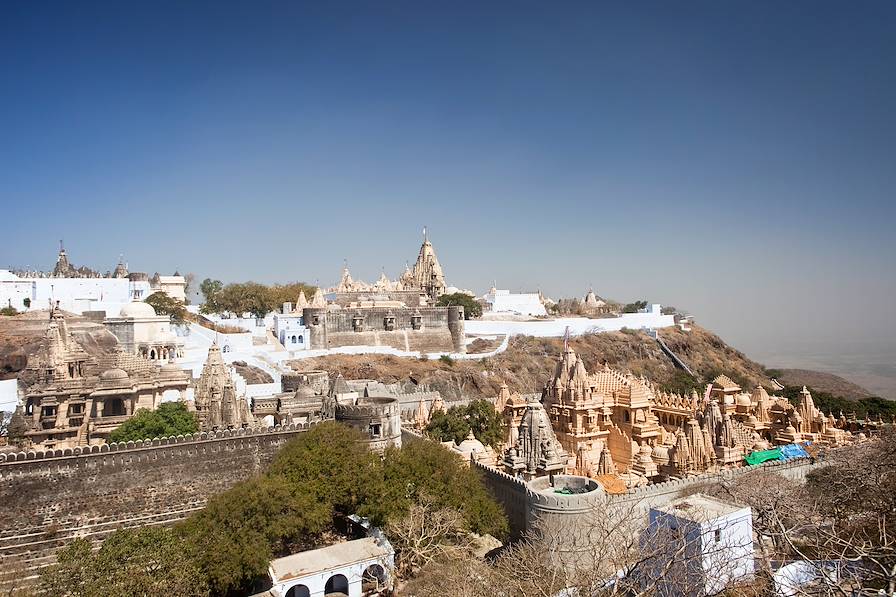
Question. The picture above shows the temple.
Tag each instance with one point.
(218, 404)
(73, 399)
(617, 424)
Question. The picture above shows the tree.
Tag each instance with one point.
(472, 308)
(425, 534)
(479, 416)
(289, 293)
(423, 470)
(250, 297)
(634, 307)
(163, 304)
(171, 418)
(234, 537)
(330, 463)
(145, 561)
(211, 290)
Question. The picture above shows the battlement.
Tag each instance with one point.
(204, 436)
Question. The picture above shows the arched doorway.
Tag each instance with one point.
(298, 591)
(114, 408)
(337, 584)
(374, 578)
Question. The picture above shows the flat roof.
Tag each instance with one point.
(699, 508)
(305, 563)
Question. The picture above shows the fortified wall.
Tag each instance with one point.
(524, 503)
(425, 329)
(51, 497)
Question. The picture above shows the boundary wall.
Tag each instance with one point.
(50, 497)
(523, 505)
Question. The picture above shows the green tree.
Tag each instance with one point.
(331, 463)
(634, 307)
(423, 470)
(471, 306)
(163, 304)
(171, 418)
(144, 561)
(234, 537)
(9, 311)
(247, 297)
(456, 423)
(288, 293)
(211, 290)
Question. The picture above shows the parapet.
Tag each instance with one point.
(157, 442)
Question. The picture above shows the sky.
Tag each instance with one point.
(733, 159)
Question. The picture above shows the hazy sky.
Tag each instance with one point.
(733, 159)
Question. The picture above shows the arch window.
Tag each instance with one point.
(337, 583)
(298, 591)
(373, 579)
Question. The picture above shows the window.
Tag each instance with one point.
(717, 535)
(376, 430)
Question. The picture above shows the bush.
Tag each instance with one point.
(447, 360)
(472, 308)
(455, 424)
(171, 418)
(9, 311)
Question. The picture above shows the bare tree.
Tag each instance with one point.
(426, 533)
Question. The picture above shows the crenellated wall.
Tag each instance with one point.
(50, 497)
(525, 502)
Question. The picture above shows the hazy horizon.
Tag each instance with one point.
(735, 161)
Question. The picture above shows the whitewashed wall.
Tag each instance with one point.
(577, 325)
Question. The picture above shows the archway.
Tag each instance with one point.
(373, 579)
(114, 408)
(152, 354)
(298, 591)
(337, 584)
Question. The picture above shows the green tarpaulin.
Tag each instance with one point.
(763, 456)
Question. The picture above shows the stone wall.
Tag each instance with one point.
(50, 497)
(522, 505)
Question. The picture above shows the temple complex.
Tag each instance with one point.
(73, 399)
(419, 286)
(401, 314)
(612, 423)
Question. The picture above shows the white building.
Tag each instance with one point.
(140, 331)
(352, 568)
(503, 301)
(709, 543)
(174, 286)
(290, 330)
(75, 295)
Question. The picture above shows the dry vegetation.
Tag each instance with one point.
(528, 362)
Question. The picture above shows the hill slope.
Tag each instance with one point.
(825, 382)
(528, 363)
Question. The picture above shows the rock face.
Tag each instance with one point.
(21, 335)
(529, 362)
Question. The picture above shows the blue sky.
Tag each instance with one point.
(734, 159)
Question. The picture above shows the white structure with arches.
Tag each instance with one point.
(353, 568)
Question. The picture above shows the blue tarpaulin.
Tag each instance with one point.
(793, 451)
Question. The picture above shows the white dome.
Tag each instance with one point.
(137, 309)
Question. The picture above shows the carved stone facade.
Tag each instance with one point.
(217, 403)
(611, 423)
(73, 399)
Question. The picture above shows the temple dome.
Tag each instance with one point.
(744, 400)
(137, 309)
(471, 445)
(113, 374)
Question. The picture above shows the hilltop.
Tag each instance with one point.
(528, 362)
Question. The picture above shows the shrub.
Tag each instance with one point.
(171, 418)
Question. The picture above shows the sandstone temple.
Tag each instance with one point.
(614, 426)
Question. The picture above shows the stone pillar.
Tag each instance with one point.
(456, 327)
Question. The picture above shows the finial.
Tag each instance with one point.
(424, 234)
